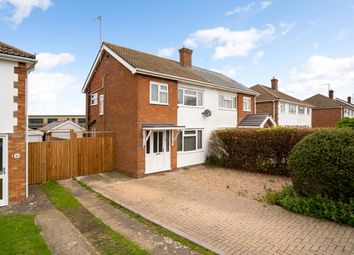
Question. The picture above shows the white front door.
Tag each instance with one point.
(158, 152)
(3, 171)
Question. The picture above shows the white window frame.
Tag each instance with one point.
(282, 107)
(159, 91)
(182, 133)
(294, 107)
(93, 99)
(101, 105)
(184, 90)
(303, 109)
(248, 102)
(223, 98)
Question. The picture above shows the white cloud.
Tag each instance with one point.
(229, 43)
(319, 70)
(23, 8)
(166, 52)
(249, 7)
(239, 9)
(258, 56)
(286, 27)
(229, 71)
(48, 60)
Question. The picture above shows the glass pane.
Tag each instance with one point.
(163, 97)
(155, 142)
(180, 96)
(148, 144)
(154, 92)
(189, 132)
(200, 98)
(190, 143)
(200, 139)
(163, 87)
(190, 100)
(235, 103)
(190, 92)
(160, 141)
(179, 142)
(167, 141)
(1, 154)
(228, 104)
(1, 189)
(221, 101)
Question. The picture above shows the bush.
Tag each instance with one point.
(346, 123)
(323, 163)
(316, 206)
(262, 150)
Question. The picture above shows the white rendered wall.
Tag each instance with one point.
(7, 94)
(294, 119)
(191, 117)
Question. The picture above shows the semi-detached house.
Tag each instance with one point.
(161, 111)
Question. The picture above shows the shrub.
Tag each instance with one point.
(262, 150)
(323, 163)
(346, 123)
(316, 206)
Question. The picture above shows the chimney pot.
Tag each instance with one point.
(331, 94)
(349, 100)
(185, 57)
(274, 83)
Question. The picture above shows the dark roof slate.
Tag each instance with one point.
(13, 51)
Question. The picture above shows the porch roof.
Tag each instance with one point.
(162, 127)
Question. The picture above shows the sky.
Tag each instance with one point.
(305, 43)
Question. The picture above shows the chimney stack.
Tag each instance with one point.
(349, 100)
(274, 83)
(185, 57)
(331, 93)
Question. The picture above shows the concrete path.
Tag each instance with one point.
(224, 222)
(120, 222)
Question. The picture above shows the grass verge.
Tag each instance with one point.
(20, 235)
(101, 236)
(315, 206)
(150, 224)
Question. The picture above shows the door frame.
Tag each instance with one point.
(5, 200)
(147, 156)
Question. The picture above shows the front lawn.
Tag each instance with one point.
(20, 235)
(101, 236)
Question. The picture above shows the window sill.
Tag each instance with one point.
(189, 152)
(156, 103)
(226, 109)
(191, 106)
(247, 110)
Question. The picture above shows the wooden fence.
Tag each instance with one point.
(57, 160)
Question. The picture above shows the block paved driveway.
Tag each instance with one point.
(223, 222)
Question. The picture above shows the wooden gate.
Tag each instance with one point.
(57, 160)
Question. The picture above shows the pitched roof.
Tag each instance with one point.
(12, 51)
(321, 101)
(55, 124)
(255, 120)
(269, 94)
(155, 64)
(344, 103)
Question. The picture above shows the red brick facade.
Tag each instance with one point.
(240, 112)
(270, 108)
(17, 141)
(322, 118)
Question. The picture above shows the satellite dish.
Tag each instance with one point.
(206, 113)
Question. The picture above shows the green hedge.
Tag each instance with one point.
(317, 206)
(323, 163)
(346, 123)
(262, 150)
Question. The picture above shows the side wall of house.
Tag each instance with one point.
(268, 108)
(240, 112)
(120, 89)
(326, 117)
(154, 114)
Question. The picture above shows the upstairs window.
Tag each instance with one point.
(227, 102)
(101, 104)
(190, 97)
(301, 110)
(247, 104)
(93, 98)
(282, 107)
(158, 93)
(292, 108)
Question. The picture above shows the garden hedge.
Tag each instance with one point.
(346, 123)
(323, 164)
(262, 150)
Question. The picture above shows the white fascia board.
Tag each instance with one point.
(193, 82)
(265, 121)
(17, 58)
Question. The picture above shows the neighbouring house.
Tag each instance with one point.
(60, 130)
(161, 111)
(328, 111)
(38, 121)
(286, 110)
(15, 66)
(35, 136)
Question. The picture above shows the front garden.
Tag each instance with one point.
(319, 162)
